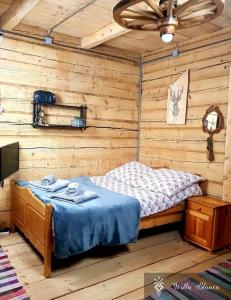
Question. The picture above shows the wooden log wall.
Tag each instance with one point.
(107, 87)
(227, 163)
(183, 147)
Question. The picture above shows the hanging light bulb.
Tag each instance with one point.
(167, 28)
(167, 37)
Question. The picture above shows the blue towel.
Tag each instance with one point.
(73, 189)
(58, 185)
(48, 180)
(81, 197)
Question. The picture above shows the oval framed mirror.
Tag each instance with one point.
(212, 122)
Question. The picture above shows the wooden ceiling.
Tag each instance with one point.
(91, 22)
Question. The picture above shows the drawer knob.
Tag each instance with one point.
(199, 209)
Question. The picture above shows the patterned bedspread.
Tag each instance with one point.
(151, 201)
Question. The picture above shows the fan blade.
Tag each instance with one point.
(154, 25)
(155, 7)
(139, 22)
(149, 27)
(184, 6)
(199, 13)
(135, 17)
(202, 4)
(191, 20)
(196, 7)
(170, 8)
(182, 25)
(143, 13)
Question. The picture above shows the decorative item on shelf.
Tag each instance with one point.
(44, 97)
(78, 122)
(165, 16)
(177, 100)
(212, 122)
(41, 119)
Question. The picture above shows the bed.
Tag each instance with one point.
(34, 217)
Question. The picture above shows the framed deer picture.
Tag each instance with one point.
(177, 100)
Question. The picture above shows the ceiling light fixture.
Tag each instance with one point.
(167, 16)
(167, 27)
(167, 37)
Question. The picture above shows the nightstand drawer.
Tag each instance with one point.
(200, 208)
(198, 228)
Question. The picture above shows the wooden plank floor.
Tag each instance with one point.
(108, 273)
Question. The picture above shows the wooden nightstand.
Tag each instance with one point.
(208, 222)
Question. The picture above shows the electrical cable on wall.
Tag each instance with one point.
(48, 38)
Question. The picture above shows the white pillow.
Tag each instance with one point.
(130, 172)
(167, 181)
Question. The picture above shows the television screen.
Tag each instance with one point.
(9, 160)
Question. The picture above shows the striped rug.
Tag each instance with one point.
(10, 288)
(212, 284)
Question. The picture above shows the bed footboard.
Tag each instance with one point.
(34, 219)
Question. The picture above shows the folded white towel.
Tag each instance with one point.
(58, 185)
(83, 196)
(73, 189)
(48, 180)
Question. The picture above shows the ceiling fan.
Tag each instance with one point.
(165, 16)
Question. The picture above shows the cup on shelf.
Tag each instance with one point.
(78, 122)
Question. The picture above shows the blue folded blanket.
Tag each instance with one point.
(110, 219)
(58, 185)
(48, 180)
(81, 197)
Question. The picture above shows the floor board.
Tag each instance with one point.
(107, 273)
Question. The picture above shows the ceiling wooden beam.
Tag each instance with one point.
(105, 34)
(16, 12)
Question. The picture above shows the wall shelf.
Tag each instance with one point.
(56, 126)
(39, 117)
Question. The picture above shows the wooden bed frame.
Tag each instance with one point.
(34, 219)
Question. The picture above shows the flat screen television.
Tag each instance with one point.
(9, 160)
